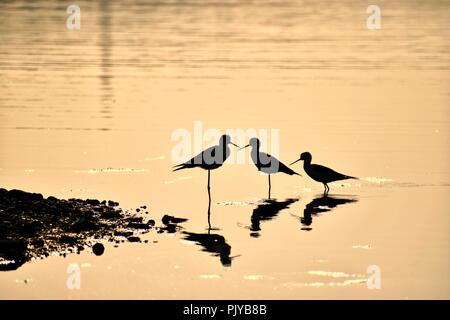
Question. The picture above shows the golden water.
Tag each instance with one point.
(89, 113)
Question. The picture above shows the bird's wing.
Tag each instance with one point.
(271, 162)
(265, 160)
(285, 169)
(329, 174)
(197, 160)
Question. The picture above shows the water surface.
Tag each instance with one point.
(90, 113)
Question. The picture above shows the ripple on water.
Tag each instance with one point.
(112, 170)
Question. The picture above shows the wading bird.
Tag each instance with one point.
(210, 159)
(266, 163)
(320, 173)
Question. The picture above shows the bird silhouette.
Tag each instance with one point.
(320, 173)
(266, 163)
(209, 159)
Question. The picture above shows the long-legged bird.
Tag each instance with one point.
(210, 159)
(320, 173)
(266, 163)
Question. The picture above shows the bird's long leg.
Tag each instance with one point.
(209, 201)
(325, 189)
(209, 187)
(269, 186)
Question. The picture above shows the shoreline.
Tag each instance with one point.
(33, 227)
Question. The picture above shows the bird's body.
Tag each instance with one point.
(321, 173)
(266, 163)
(209, 159)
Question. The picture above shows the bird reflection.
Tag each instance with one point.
(267, 211)
(321, 204)
(213, 243)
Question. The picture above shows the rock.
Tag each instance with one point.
(93, 202)
(38, 243)
(98, 249)
(111, 215)
(169, 228)
(138, 225)
(29, 229)
(12, 246)
(13, 254)
(98, 209)
(24, 196)
(123, 233)
(166, 219)
(68, 239)
(56, 226)
(134, 239)
(84, 225)
(112, 203)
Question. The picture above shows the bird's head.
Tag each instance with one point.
(226, 139)
(254, 143)
(305, 156)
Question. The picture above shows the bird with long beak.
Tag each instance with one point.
(210, 159)
(320, 173)
(266, 163)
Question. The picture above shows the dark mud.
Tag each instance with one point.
(34, 227)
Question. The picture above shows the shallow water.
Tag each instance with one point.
(90, 113)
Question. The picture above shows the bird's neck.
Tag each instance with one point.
(306, 164)
(226, 151)
(255, 152)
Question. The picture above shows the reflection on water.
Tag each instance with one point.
(266, 211)
(213, 243)
(322, 204)
(106, 75)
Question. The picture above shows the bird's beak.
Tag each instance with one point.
(295, 162)
(244, 147)
(234, 144)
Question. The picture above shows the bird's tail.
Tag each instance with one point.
(292, 172)
(350, 177)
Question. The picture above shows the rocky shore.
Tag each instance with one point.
(34, 227)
